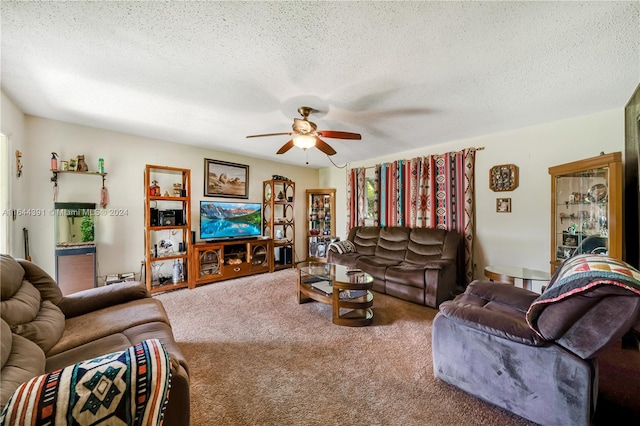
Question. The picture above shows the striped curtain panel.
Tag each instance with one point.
(432, 192)
(376, 196)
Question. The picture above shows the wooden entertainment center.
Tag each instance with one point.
(223, 260)
(170, 248)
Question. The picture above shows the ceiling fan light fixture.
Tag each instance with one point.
(304, 141)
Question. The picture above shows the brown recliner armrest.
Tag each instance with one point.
(93, 299)
(494, 308)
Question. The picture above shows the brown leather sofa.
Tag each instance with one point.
(536, 355)
(42, 330)
(421, 265)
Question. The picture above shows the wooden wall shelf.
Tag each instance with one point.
(54, 178)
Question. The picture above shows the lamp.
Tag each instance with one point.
(304, 141)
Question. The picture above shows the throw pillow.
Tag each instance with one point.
(348, 246)
(127, 387)
(337, 246)
(341, 247)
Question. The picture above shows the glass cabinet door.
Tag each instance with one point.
(586, 208)
(320, 222)
(582, 223)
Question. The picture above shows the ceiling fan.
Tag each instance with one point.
(305, 134)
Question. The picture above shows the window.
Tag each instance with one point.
(4, 193)
(370, 187)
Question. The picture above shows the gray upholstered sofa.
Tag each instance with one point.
(421, 265)
(537, 355)
(43, 331)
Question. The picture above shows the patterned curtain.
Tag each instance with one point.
(432, 192)
(376, 196)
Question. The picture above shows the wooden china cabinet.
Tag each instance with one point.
(586, 208)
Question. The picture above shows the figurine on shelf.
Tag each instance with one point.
(177, 189)
(280, 195)
(82, 165)
(154, 189)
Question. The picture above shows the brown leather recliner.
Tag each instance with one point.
(536, 355)
(43, 331)
(421, 265)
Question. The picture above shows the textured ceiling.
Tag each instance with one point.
(404, 75)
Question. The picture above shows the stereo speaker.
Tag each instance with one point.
(179, 214)
(154, 216)
(286, 255)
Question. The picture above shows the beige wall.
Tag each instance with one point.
(120, 239)
(522, 237)
(12, 125)
(517, 238)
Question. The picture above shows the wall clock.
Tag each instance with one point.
(503, 177)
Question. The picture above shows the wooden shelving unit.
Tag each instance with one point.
(278, 221)
(167, 219)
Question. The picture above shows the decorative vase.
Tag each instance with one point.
(155, 273)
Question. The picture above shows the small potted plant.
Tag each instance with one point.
(86, 228)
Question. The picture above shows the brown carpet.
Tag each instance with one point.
(257, 357)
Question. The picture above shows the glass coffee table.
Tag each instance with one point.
(506, 274)
(347, 290)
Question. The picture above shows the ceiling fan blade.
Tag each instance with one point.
(286, 147)
(339, 135)
(324, 147)
(269, 134)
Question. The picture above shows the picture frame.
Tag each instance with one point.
(225, 179)
(503, 177)
(503, 205)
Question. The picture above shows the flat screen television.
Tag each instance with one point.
(221, 220)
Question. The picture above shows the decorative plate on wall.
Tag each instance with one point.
(503, 177)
